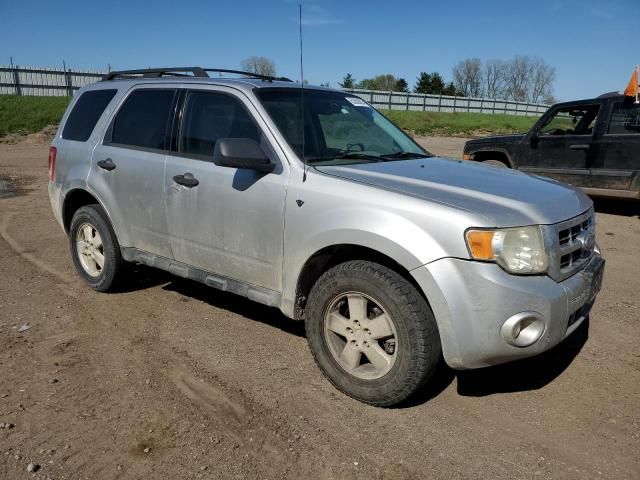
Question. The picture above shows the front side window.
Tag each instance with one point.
(625, 119)
(571, 121)
(86, 113)
(143, 119)
(338, 128)
(207, 118)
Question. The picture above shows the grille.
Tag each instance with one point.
(573, 244)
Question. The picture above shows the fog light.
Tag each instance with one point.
(523, 329)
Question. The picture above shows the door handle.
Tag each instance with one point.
(107, 164)
(581, 146)
(187, 180)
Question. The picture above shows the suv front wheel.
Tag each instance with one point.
(371, 333)
(94, 248)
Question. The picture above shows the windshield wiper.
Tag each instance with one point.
(404, 156)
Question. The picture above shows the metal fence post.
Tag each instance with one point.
(408, 94)
(424, 103)
(371, 93)
(481, 104)
(469, 105)
(16, 78)
(390, 94)
(440, 102)
(67, 79)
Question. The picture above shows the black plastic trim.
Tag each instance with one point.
(220, 282)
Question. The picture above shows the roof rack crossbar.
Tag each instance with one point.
(184, 72)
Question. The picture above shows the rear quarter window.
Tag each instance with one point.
(85, 114)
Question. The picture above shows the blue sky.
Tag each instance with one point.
(592, 44)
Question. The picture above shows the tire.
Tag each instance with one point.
(496, 163)
(92, 233)
(378, 293)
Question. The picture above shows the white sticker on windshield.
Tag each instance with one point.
(357, 102)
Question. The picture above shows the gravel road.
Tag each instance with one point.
(170, 379)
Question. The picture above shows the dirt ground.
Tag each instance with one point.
(170, 379)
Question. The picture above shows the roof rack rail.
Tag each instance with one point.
(184, 72)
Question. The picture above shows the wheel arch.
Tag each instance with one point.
(494, 154)
(329, 256)
(75, 199)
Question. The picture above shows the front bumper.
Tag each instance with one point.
(472, 301)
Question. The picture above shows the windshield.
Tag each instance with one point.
(339, 128)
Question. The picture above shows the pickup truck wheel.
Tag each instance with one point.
(371, 333)
(94, 248)
(496, 163)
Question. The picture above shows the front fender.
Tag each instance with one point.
(388, 233)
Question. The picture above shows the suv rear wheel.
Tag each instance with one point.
(371, 333)
(94, 248)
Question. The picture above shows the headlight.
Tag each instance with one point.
(517, 250)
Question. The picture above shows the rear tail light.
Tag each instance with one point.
(53, 151)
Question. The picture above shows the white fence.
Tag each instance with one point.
(40, 81)
(443, 103)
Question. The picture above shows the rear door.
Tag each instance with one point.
(560, 147)
(232, 222)
(128, 168)
(617, 166)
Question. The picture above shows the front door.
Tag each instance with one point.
(128, 166)
(618, 162)
(224, 220)
(560, 147)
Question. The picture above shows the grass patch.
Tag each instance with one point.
(459, 124)
(30, 114)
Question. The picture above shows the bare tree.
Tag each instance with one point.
(517, 73)
(467, 77)
(541, 81)
(523, 79)
(259, 65)
(494, 79)
(529, 79)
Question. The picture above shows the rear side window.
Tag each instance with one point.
(625, 119)
(143, 118)
(86, 113)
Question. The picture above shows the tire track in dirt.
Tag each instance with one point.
(30, 257)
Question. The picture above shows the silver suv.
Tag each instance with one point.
(309, 200)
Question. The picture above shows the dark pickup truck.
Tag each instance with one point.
(593, 144)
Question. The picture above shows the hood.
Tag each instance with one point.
(502, 197)
(501, 139)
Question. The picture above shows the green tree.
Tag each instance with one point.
(429, 83)
(451, 90)
(385, 82)
(348, 81)
(401, 85)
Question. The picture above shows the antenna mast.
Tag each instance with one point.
(304, 163)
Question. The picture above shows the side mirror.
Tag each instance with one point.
(241, 153)
(533, 139)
